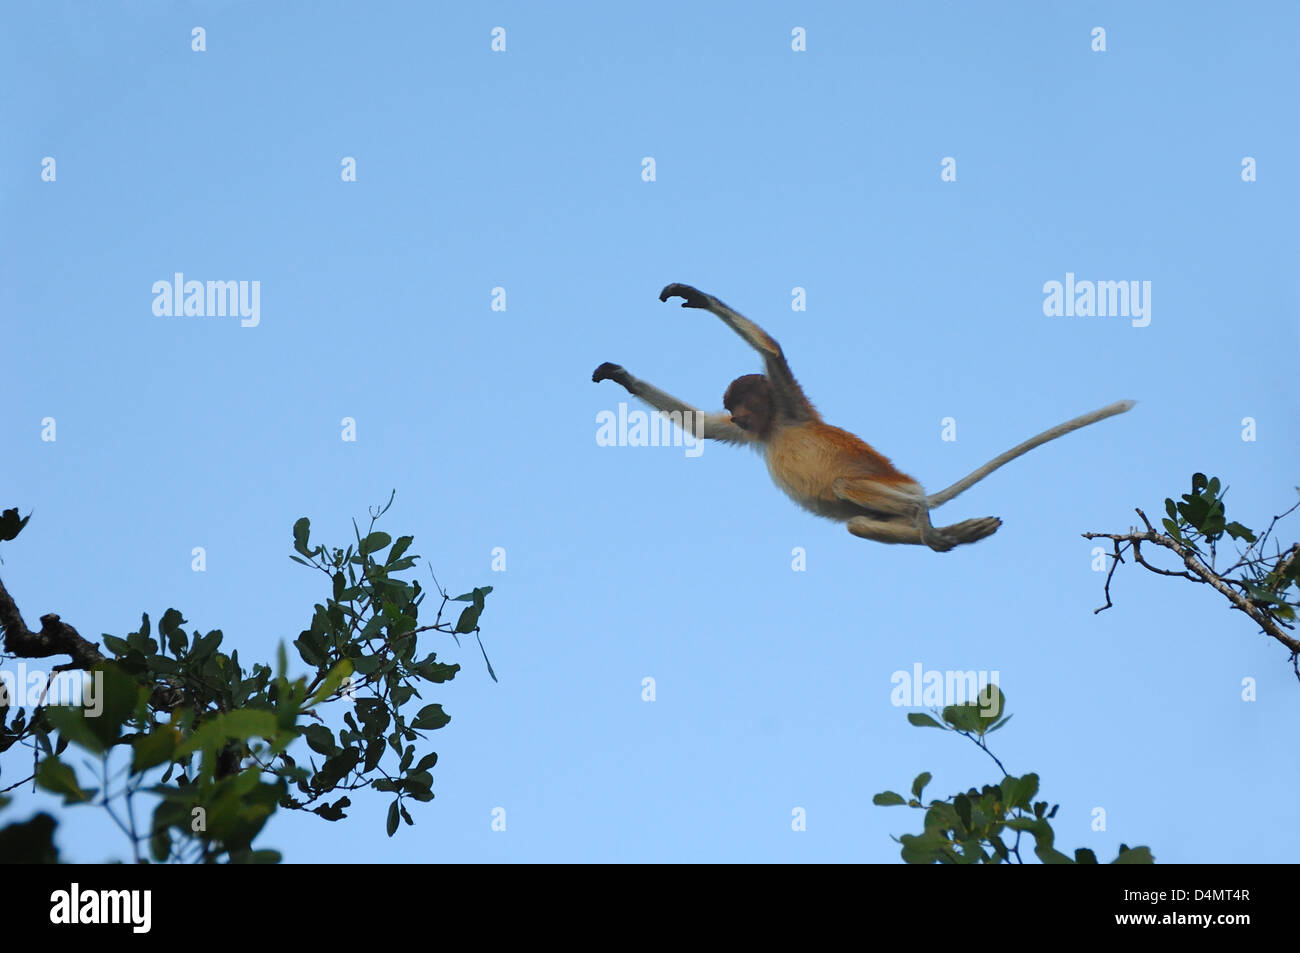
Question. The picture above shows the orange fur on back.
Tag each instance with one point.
(805, 461)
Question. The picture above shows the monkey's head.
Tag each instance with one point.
(751, 403)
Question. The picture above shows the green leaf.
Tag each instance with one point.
(170, 628)
(476, 596)
(97, 728)
(1018, 792)
(427, 762)
(265, 856)
(206, 645)
(962, 806)
(321, 740)
(333, 812)
(115, 645)
(468, 620)
(925, 849)
(374, 542)
(301, 531)
(30, 841)
(311, 646)
(990, 705)
(1050, 855)
(999, 847)
(402, 545)
(419, 785)
(997, 724)
(1237, 531)
(922, 720)
(336, 768)
(1134, 855)
(249, 723)
(485, 658)
(55, 776)
(393, 818)
(10, 524)
(154, 748)
(430, 716)
(963, 717)
(1083, 855)
(374, 752)
(919, 784)
(332, 682)
(436, 671)
(888, 799)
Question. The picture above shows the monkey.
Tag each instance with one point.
(826, 470)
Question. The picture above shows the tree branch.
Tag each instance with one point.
(55, 637)
(1197, 571)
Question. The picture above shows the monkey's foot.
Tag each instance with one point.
(609, 372)
(967, 531)
(691, 297)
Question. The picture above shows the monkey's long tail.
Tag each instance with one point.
(1060, 430)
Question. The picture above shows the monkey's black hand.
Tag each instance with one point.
(609, 372)
(691, 297)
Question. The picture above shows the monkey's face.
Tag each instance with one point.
(749, 400)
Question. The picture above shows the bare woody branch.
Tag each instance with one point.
(55, 637)
(1196, 571)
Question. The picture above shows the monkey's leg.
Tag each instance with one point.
(690, 419)
(940, 539)
(884, 531)
(908, 501)
(905, 499)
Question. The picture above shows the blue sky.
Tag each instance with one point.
(774, 169)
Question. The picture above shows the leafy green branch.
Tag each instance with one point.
(209, 740)
(973, 827)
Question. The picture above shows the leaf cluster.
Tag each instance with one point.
(214, 741)
(984, 825)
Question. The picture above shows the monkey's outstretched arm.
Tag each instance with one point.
(693, 420)
(1060, 430)
(794, 403)
(755, 336)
